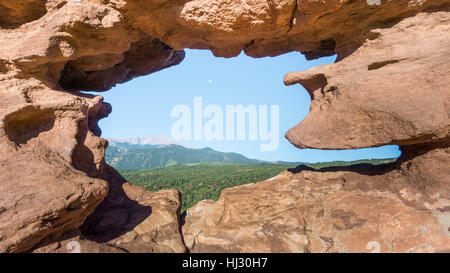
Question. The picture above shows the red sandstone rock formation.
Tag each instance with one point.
(381, 93)
(402, 207)
(389, 86)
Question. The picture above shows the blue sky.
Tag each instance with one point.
(142, 107)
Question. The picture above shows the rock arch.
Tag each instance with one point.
(389, 86)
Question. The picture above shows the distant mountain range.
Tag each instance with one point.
(160, 152)
(152, 140)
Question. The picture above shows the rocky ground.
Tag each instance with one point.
(389, 86)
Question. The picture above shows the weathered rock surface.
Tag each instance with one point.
(381, 94)
(390, 86)
(53, 173)
(358, 209)
(83, 45)
(42, 133)
(53, 176)
(136, 220)
(268, 28)
(74, 242)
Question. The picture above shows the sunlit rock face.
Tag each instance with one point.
(394, 89)
(401, 207)
(389, 86)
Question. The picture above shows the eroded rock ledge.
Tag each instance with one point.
(389, 86)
